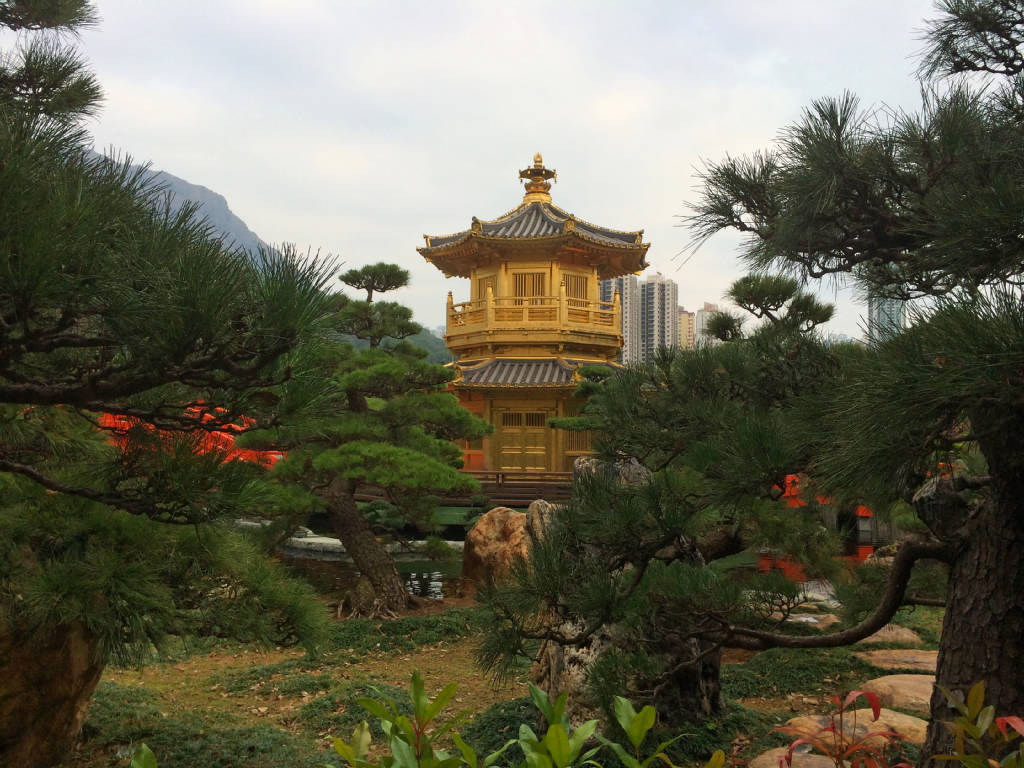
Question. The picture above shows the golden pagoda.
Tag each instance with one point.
(533, 319)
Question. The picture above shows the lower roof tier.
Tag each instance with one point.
(520, 372)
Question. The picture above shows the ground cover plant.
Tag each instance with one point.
(290, 705)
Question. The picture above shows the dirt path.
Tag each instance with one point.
(193, 685)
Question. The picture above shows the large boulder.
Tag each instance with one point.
(858, 723)
(912, 693)
(497, 539)
(627, 471)
(770, 759)
(894, 633)
(910, 659)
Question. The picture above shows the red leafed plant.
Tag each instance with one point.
(839, 741)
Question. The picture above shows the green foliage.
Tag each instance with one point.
(143, 758)
(952, 360)
(377, 417)
(376, 278)
(133, 581)
(859, 595)
(980, 738)
(436, 548)
(44, 75)
(492, 728)
(413, 738)
(339, 710)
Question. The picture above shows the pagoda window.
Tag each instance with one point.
(482, 284)
(528, 285)
(514, 419)
(576, 289)
(577, 442)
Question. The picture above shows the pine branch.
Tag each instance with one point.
(910, 551)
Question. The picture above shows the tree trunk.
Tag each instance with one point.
(46, 681)
(693, 692)
(983, 630)
(371, 558)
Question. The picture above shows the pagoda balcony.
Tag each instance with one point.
(557, 320)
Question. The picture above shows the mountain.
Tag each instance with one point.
(213, 207)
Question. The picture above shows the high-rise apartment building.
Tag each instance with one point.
(687, 329)
(659, 314)
(701, 322)
(885, 318)
(629, 297)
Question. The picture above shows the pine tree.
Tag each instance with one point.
(117, 306)
(628, 571)
(920, 205)
(923, 205)
(375, 417)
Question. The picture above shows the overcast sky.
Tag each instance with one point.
(356, 127)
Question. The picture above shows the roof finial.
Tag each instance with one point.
(538, 188)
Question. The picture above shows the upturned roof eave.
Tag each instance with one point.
(447, 257)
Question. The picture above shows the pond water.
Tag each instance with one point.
(423, 578)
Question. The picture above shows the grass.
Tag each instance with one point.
(233, 709)
(363, 635)
(349, 641)
(924, 620)
(492, 728)
(121, 717)
(339, 712)
(782, 671)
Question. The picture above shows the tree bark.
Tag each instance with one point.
(46, 681)
(371, 558)
(983, 630)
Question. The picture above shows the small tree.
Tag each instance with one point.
(371, 418)
(629, 571)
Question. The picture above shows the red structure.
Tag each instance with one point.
(792, 570)
(221, 440)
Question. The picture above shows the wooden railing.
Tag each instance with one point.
(506, 488)
(511, 477)
(517, 312)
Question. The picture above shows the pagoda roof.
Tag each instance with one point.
(520, 372)
(537, 223)
(536, 220)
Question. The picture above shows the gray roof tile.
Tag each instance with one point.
(539, 220)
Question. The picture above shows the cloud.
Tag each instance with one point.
(357, 127)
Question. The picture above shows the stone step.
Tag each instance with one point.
(910, 692)
(858, 723)
(894, 633)
(918, 661)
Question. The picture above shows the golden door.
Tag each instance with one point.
(523, 438)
